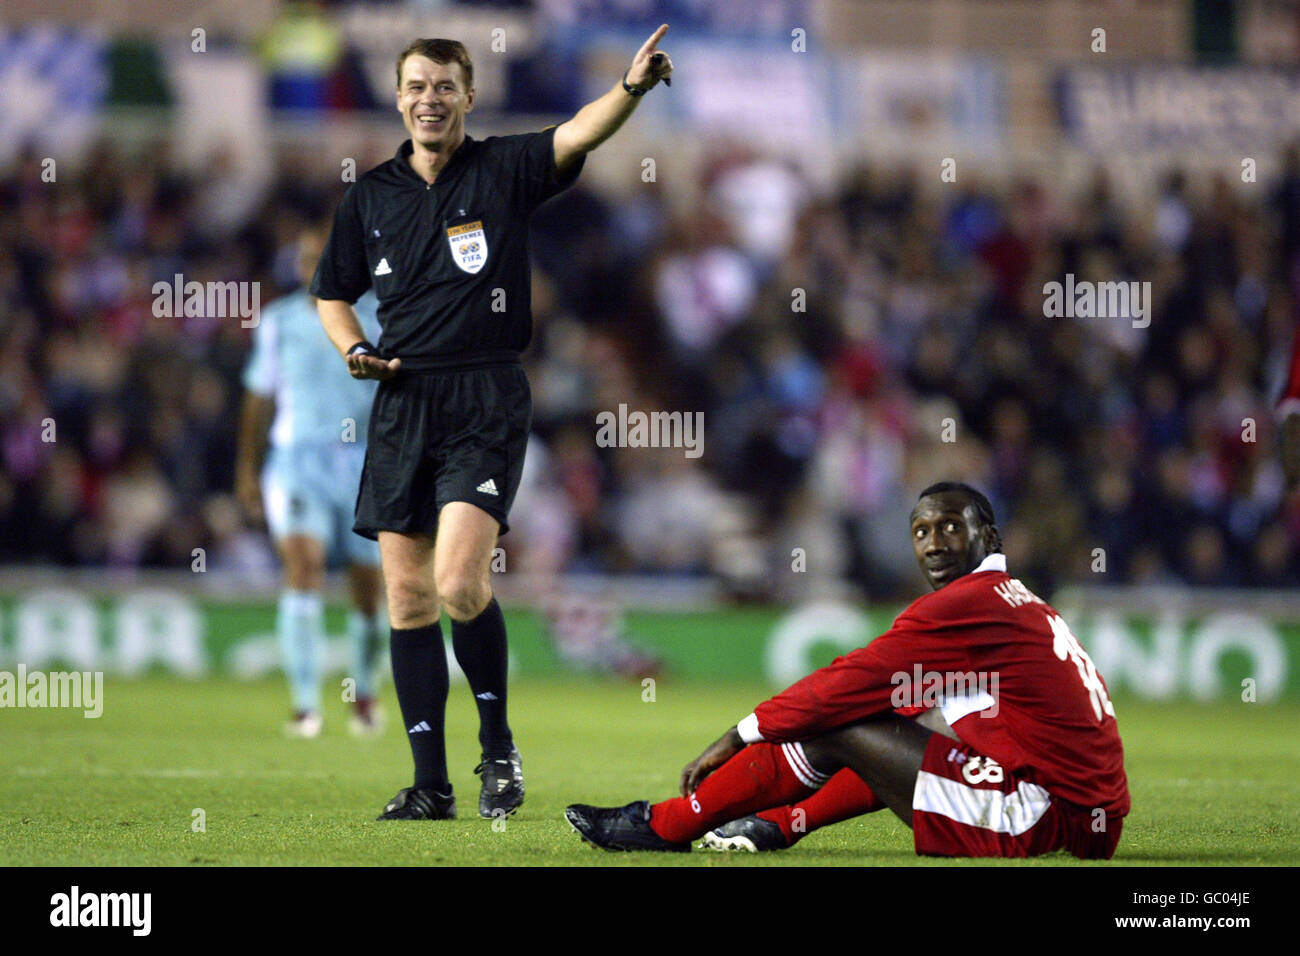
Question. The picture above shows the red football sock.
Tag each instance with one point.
(754, 779)
(845, 795)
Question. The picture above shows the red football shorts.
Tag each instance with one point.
(967, 805)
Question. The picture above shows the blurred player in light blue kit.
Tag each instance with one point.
(307, 486)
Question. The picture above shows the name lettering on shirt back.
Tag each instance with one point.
(1016, 594)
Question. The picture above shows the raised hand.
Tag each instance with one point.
(650, 65)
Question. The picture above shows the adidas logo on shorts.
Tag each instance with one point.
(383, 268)
(488, 487)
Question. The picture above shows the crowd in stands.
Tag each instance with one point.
(845, 350)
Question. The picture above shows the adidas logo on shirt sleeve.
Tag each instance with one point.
(488, 487)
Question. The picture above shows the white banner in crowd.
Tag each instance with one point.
(910, 103)
(1179, 107)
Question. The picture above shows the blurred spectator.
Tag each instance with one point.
(703, 286)
(301, 49)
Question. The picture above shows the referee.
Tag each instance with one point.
(440, 232)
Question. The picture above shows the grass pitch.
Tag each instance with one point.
(1212, 784)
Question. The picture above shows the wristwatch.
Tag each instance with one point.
(634, 91)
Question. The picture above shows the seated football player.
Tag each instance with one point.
(1027, 760)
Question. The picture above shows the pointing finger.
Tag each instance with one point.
(655, 37)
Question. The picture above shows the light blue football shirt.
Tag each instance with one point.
(294, 363)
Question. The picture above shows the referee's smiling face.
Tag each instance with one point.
(948, 538)
(433, 100)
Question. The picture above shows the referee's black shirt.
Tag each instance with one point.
(448, 260)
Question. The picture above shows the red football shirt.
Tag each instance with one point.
(1009, 675)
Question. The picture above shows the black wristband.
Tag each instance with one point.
(632, 89)
(362, 346)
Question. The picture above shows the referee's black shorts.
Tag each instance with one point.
(440, 436)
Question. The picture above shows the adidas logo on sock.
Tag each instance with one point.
(383, 268)
(421, 726)
(488, 487)
(487, 695)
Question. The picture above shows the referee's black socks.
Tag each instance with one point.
(480, 647)
(420, 679)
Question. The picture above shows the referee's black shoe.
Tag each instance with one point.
(503, 785)
(412, 804)
(619, 828)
